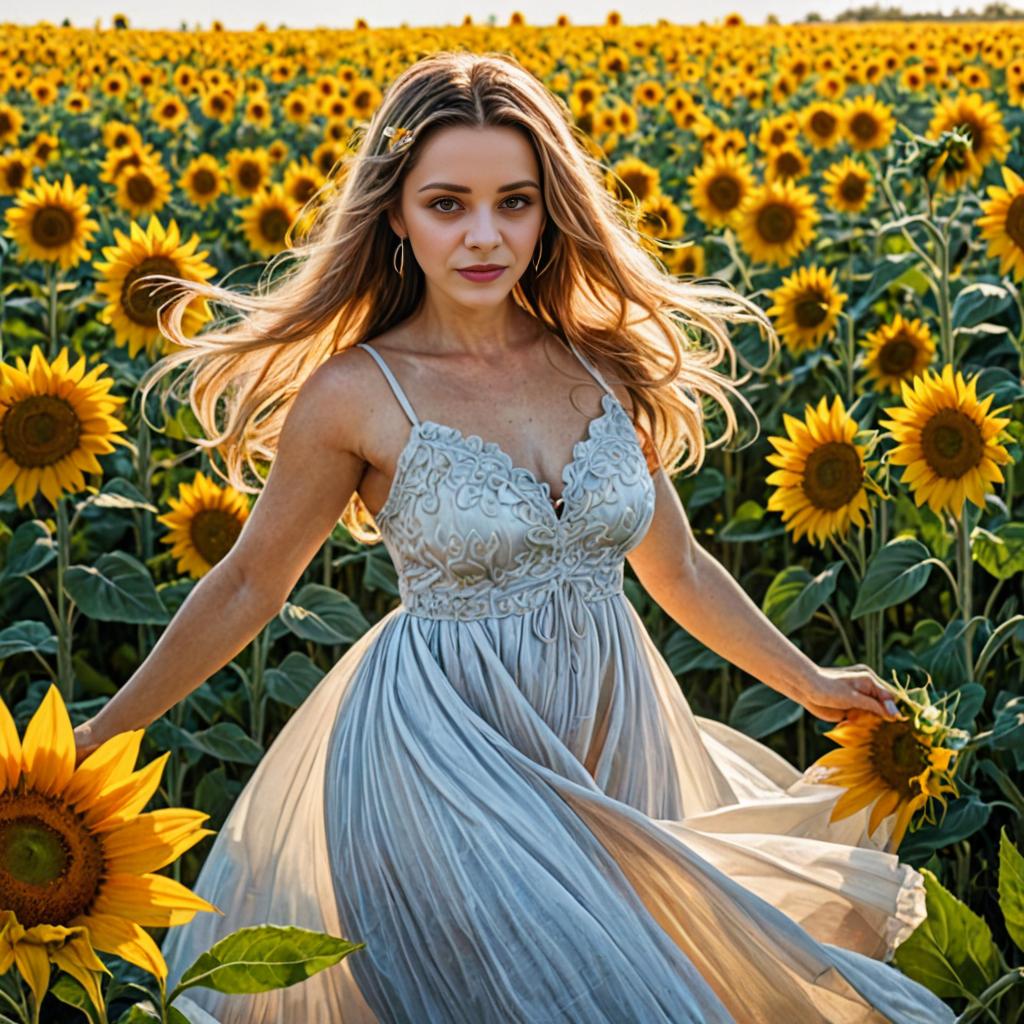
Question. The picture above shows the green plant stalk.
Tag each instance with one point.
(62, 623)
(963, 576)
(20, 1006)
(52, 277)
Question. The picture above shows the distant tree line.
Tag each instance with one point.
(993, 11)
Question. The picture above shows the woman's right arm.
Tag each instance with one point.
(311, 480)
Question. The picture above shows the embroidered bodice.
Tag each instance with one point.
(473, 535)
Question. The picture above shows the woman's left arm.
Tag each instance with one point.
(699, 593)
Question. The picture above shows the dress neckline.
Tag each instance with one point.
(476, 443)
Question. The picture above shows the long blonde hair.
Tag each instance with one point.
(599, 287)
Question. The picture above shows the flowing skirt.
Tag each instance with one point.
(541, 830)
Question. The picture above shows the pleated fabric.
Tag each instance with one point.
(501, 789)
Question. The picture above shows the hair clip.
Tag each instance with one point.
(400, 136)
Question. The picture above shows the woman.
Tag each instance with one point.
(500, 788)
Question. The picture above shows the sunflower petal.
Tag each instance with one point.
(154, 901)
(48, 753)
(10, 750)
(124, 939)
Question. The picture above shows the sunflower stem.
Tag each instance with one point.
(64, 666)
(963, 567)
(52, 276)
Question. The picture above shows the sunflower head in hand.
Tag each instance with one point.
(897, 765)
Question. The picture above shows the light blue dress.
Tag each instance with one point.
(501, 789)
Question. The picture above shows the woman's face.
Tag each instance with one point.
(457, 211)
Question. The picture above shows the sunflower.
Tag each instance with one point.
(49, 222)
(302, 179)
(1003, 224)
(897, 352)
(168, 111)
(898, 765)
(133, 309)
(989, 139)
(806, 307)
(11, 121)
(867, 123)
(266, 220)
(143, 189)
(202, 181)
(947, 439)
(248, 171)
(718, 188)
(688, 261)
(15, 171)
(204, 524)
(786, 163)
(847, 186)
(76, 856)
(54, 421)
(776, 222)
(635, 180)
(822, 479)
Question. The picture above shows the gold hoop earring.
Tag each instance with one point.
(400, 256)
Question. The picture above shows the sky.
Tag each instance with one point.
(385, 13)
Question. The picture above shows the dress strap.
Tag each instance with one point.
(392, 380)
(595, 373)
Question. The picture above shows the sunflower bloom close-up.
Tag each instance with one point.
(204, 523)
(49, 221)
(948, 441)
(77, 856)
(54, 420)
(823, 479)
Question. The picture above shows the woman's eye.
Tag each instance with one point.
(448, 199)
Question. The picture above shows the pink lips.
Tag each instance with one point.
(482, 275)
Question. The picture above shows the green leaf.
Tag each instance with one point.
(227, 742)
(122, 494)
(760, 710)
(1008, 728)
(887, 272)
(323, 615)
(265, 957)
(999, 552)
(685, 653)
(979, 301)
(1011, 888)
(118, 588)
(965, 816)
(71, 993)
(31, 547)
(898, 571)
(27, 636)
(293, 680)
(795, 595)
(952, 951)
(749, 524)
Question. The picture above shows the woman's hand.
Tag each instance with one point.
(85, 741)
(833, 691)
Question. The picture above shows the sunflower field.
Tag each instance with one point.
(864, 183)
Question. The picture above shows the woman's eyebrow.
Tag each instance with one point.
(462, 188)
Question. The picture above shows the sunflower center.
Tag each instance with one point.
(140, 303)
(249, 174)
(213, 532)
(952, 443)
(852, 188)
(1015, 221)
(53, 226)
(823, 123)
(776, 223)
(274, 223)
(51, 865)
(724, 192)
(788, 165)
(203, 182)
(864, 126)
(897, 755)
(833, 475)
(40, 430)
(140, 188)
(810, 309)
(897, 356)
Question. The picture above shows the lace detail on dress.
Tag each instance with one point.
(472, 535)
